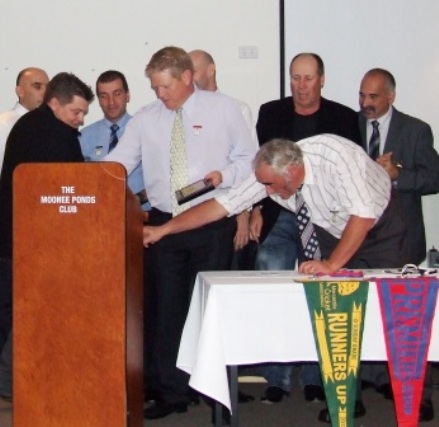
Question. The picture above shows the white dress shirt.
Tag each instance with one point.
(384, 123)
(340, 181)
(216, 136)
(7, 121)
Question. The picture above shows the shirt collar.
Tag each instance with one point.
(384, 119)
(121, 122)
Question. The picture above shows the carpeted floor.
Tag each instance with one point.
(292, 411)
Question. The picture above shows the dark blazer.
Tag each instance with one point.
(411, 142)
(37, 137)
(276, 120)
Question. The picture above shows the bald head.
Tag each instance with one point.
(204, 70)
(31, 86)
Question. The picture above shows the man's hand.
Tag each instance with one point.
(389, 165)
(255, 225)
(316, 268)
(215, 177)
(242, 231)
(152, 234)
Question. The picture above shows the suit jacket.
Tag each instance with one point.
(411, 142)
(276, 120)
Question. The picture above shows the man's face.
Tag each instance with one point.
(306, 85)
(203, 71)
(72, 113)
(171, 91)
(113, 99)
(31, 88)
(283, 185)
(375, 98)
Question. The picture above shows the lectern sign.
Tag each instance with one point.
(67, 201)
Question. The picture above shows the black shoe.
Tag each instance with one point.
(386, 391)
(6, 398)
(161, 410)
(150, 396)
(274, 394)
(426, 411)
(244, 397)
(314, 392)
(359, 411)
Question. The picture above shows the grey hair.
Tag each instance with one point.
(279, 154)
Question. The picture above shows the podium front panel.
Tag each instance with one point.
(74, 225)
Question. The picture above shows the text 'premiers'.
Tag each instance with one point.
(68, 200)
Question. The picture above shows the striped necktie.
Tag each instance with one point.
(374, 142)
(179, 176)
(308, 236)
(113, 137)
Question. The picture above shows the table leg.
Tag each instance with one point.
(233, 381)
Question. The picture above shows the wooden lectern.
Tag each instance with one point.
(78, 301)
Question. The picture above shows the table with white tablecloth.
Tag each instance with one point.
(240, 318)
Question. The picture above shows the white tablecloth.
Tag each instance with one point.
(238, 318)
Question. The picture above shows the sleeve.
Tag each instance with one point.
(420, 173)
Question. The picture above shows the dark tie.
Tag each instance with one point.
(308, 237)
(113, 137)
(374, 142)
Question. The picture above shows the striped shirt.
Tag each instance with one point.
(340, 180)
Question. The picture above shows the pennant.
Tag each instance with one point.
(407, 309)
(337, 312)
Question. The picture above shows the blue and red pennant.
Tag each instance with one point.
(407, 309)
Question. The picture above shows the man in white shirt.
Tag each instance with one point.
(346, 193)
(30, 89)
(205, 79)
(214, 144)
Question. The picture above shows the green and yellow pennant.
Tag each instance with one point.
(337, 312)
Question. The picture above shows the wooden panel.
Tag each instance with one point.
(70, 295)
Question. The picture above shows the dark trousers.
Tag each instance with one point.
(171, 268)
(5, 300)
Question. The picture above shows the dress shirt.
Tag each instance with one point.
(95, 140)
(7, 121)
(384, 122)
(340, 180)
(248, 117)
(216, 136)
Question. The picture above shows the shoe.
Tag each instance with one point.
(161, 410)
(386, 390)
(244, 397)
(150, 396)
(274, 394)
(314, 392)
(359, 411)
(194, 398)
(6, 398)
(426, 411)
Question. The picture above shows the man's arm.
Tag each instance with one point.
(350, 241)
(204, 213)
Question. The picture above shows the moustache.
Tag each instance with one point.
(369, 109)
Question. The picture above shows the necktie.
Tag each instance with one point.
(308, 237)
(179, 177)
(113, 137)
(374, 142)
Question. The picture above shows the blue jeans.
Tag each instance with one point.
(279, 251)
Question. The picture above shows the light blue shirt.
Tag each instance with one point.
(216, 138)
(95, 140)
